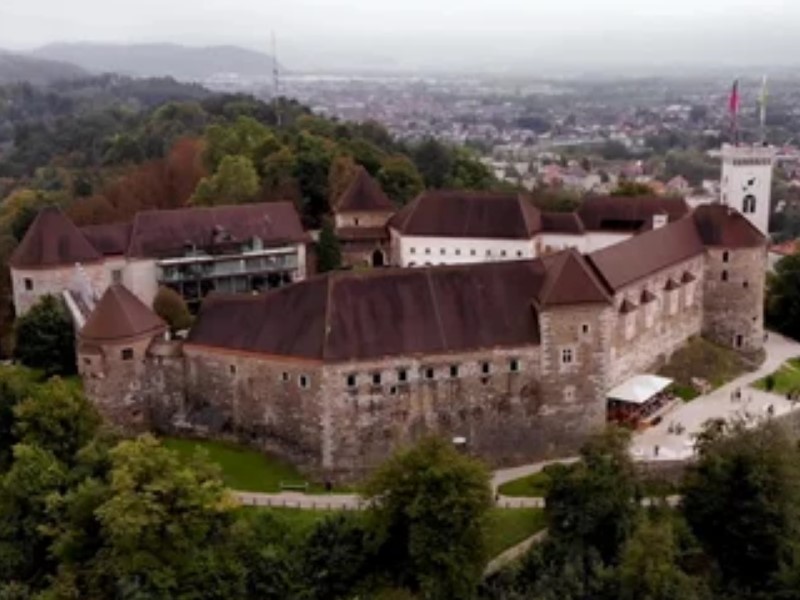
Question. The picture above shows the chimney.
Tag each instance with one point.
(660, 219)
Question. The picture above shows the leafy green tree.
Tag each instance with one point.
(649, 568)
(400, 179)
(783, 296)
(329, 252)
(335, 558)
(244, 137)
(235, 182)
(57, 417)
(632, 189)
(170, 306)
(468, 173)
(46, 338)
(343, 171)
(313, 156)
(366, 154)
(742, 501)
(434, 161)
(15, 386)
(428, 507)
(260, 543)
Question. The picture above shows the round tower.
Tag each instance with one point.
(112, 356)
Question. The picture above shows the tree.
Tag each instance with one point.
(46, 338)
(632, 189)
(434, 161)
(15, 386)
(783, 296)
(428, 507)
(235, 182)
(649, 568)
(469, 174)
(170, 306)
(57, 417)
(400, 179)
(741, 499)
(329, 252)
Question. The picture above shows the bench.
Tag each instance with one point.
(287, 486)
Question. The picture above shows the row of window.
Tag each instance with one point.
(426, 373)
(472, 252)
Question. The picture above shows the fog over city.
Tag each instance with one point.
(461, 35)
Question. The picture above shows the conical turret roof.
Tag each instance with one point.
(120, 316)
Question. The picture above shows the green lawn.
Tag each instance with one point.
(531, 486)
(786, 379)
(243, 468)
(509, 526)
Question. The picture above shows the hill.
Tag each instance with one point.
(161, 60)
(19, 68)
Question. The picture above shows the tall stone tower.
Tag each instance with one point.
(747, 181)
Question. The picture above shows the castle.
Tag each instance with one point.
(513, 354)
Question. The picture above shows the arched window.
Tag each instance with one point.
(749, 204)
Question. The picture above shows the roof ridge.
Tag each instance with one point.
(436, 311)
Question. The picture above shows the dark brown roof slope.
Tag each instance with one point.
(646, 254)
(109, 240)
(570, 280)
(364, 194)
(720, 225)
(348, 316)
(620, 213)
(119, 317)
(53, 240)
(562, 223)
(469, 214)
(164, 232)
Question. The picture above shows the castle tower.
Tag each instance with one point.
(112, 353)
(747, 181)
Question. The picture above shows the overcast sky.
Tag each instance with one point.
(413, 33)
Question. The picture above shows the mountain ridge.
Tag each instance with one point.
(15, 68)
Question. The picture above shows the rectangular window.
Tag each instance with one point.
(376, 379)
(127, 354)
(116, 276)
(458, 252)
(427, 250)
(567, 356)
(28, 284)
(232, 369)
(429, 373)
(443, 251)
(724, 276)
(453, 371)
(402, 375)
(502, 253)
(485, 368)
(519, 253)
(412, 250)
(284, 376)
(488, 252)
(472, 252)
(304, 381)
(585, 329)
(351, 380)
(514, 365)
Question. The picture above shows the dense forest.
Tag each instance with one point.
(105, 148)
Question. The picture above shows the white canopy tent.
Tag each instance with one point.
(639, 389)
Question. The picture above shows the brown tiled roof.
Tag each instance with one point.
(364, 194)
(164, 232)
(119, 317)
(53, 240)
(647, 297)
(621, 213)
(688, 277)
(357, 234)
(646, 254)
(469, 214)
(570, 281)
(722, 226)
(351, 316)
(562, 223)
(109, 240)
(671, 285)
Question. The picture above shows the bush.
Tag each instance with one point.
(46, 338)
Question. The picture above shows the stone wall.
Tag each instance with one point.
(270, 403)
(734, 298)
(362, 219)
(644, 339)
(54, 281)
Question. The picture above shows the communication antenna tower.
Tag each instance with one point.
(276, 81)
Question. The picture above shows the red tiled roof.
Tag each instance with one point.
(720, 225)
(648, 253)
(164, 232)
(364, 194)
(350, 316)
(671, 285)
(647, 297)
(487, 215)
(109, 240)
(53, 240)
(119, 317)
(626, 307)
